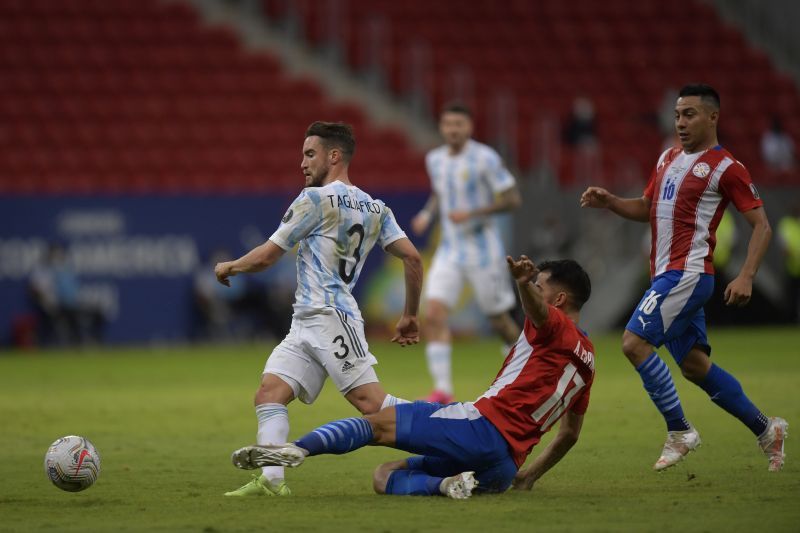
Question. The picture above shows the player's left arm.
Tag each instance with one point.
(256, 260)
(568, 432)
(739, 291)
(524, 272)
(407, 330)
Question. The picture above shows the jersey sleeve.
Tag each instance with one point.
(737, 186)
(498, 176)
(300, 219)
(390, 229)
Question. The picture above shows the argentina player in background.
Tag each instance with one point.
(469, 184)
(336, 225)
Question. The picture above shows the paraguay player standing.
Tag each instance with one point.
(684, 202)
(336, 225)
(469, 184)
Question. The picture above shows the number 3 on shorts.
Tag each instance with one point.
(340, 340)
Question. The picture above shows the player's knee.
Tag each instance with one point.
(435, 315)
(635, 348)
(380, 477)
(368, 405)
(695, 368)
(268, 392)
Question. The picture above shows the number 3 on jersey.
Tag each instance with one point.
(555, 405)
(348, 277)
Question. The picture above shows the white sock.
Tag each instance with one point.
(438, 356)
(273, 428)
(391, 401)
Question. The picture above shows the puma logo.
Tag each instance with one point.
(644, 324)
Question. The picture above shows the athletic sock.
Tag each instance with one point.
(438, 356)
(413, 483)
(659, 385)
(391, 401)
(273, 428)
(337, 437)
(726, 391)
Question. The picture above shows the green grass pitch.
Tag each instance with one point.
(166, 420)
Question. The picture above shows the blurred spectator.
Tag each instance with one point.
(580, 127)
(251, 308)
(777, 148)
(218, 305)
(580, 133)
(789, 240)
(63, 318)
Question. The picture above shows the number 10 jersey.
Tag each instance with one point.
(336, 225)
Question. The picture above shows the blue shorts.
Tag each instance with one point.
(452, 439)
(671, 312)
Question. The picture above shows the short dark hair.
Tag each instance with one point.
(706, 93)
(335, 135)
(457, 107)
(570, 275)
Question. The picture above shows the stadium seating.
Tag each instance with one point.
(139, 97)
(622, 54)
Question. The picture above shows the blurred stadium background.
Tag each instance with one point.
(141, 140)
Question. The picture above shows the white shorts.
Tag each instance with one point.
(491, 284)
(325, 343)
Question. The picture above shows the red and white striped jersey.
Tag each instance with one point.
(548, 371)
(688, 195)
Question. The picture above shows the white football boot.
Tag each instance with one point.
(256, 456)
(678, 445)
(771, 442)
(459, 487)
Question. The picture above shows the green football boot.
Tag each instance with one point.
(258, 486)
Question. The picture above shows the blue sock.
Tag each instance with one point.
(337, 437)
(659, 385)
(413, 483)
(726, 391)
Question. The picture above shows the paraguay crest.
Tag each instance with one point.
(701, 170)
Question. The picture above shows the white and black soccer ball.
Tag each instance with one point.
(72, 463)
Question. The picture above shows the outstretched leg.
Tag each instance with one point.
(726, 391)
(402, 478)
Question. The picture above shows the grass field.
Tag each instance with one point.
(166, 420)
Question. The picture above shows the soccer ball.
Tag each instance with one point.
(72, 463)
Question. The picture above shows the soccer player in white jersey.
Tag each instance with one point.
(336, 225)
(684, 201)
(469, 185)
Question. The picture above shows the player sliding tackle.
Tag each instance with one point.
(479, 446)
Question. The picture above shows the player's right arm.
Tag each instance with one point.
(422, 220)
(256, 260)
(568, 432)
(302, 217)
(631, 208)
(407, 330)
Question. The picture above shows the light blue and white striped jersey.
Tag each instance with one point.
(466, 181)
(336, 225)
